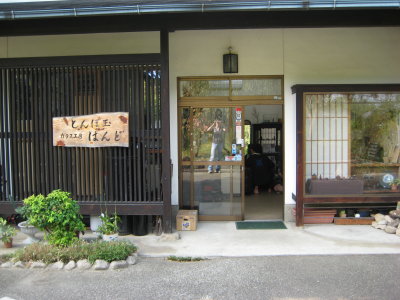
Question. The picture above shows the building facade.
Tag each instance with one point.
(308, 87)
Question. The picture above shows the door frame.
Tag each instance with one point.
(192, 163)
(225, 101)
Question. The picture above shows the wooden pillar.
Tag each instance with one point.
(165, 121)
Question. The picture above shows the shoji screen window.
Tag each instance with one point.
(326, 138)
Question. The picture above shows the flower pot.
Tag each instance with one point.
(30, 231)
(110, 237)
(95, 222)
(8, 244)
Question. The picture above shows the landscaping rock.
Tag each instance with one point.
(381, 227)
(388, 219)
(395, 214)
(374, 224)
(7, 264)
(170, 237)
(395, 223)
(398, 231)
(382, 222)
(379, 217)
(38, 265)
(390, 229)
(131, 260)
(70, 266)
(57, 265)
(101, 265)
(119, 264)
(19, 264)
(83, 264)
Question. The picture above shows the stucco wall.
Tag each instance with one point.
(334, 55)
(80, 44)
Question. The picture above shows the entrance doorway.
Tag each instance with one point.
(263, 185)
(212, 161)
(213, 140)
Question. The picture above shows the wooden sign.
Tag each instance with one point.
(98, 130)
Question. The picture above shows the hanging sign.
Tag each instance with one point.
(98, 130)
(238, 116)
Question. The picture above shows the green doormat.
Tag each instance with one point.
(260, 225)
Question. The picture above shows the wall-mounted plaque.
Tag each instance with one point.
(98, 130)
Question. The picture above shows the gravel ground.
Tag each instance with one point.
(277, 277)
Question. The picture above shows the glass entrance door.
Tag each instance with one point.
(211, 162)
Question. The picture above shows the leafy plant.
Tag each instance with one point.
(108, 251)
(109, 223)
(395, 182)
(57, 214)
(6, 231)
(184, 258)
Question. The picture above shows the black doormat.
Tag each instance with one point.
(260, 225)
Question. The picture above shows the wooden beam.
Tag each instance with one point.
(210, 20)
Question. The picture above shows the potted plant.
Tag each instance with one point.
(6, 233)
(395, 183)
(109, 227)
(27, 228)
(57, 214)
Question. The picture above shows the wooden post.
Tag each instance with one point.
(165, 119)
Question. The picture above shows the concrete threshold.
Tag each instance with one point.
(212, 239)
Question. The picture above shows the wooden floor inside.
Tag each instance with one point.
(264, 206)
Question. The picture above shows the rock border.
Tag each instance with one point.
(81, 265)
(389, 223)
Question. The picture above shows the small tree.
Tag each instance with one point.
(57, 214)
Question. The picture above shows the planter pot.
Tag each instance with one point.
(95, 222)
(30, 231)
(8, 244)
(110, 237)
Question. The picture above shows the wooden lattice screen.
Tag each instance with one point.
(31, 95)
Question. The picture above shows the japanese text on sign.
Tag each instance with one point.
(98, 130)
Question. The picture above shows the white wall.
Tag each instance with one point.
(80, 44)
(333, 55)
(199, 53)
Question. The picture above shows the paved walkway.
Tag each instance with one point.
(212, 239)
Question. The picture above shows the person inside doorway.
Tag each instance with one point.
(218, 130)
(261, 169)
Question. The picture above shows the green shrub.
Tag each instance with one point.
(108, 251)
(38, 251)
(57, 214)
(184, 258)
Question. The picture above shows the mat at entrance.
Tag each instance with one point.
(260, 225)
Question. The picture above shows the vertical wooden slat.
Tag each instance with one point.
(118, 151)
(129, 151)
(8, 128)
(17, 150)
(124, 106)
(95, 155)
(141, 136)
(104, 152)
(148, 165)
(63, 103)
(24, 130)
(3, 139)
(134, 122)
(109, 150)
(35, 133)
